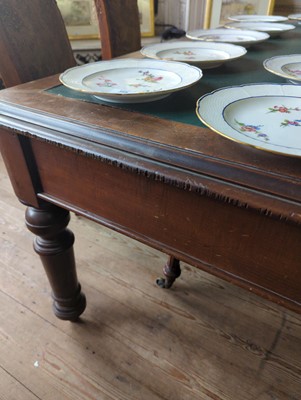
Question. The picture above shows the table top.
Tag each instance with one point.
(193, 156)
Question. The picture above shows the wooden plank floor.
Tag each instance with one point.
(202, 340)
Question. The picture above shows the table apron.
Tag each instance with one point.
(245, 246)
(248, 246)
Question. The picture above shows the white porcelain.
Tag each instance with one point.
(272, 28)
(257, 18)
(202, 54)
(265, 116)
(243, 38)
(287, 66)
(296, 17)
(131, 80)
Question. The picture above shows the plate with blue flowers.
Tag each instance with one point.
(265, 116)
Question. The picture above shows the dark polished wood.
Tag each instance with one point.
(54, 245)
(171, 271)
(34, 42)
(226, 208)
(119, 26)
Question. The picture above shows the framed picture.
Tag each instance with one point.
(218, 11)
(147, 17)
(82, 23)
(80, 18)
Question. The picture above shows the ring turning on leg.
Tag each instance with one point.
(54, 244)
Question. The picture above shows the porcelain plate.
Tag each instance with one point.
(296, 17)
(130, 80)
(265, 116)
(287, 66)
(272, 28)
(203, 54)
(257, 18)
(243, 37)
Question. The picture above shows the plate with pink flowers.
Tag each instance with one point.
(265, 116)
(130, 80)
(203, 54)
(287, 66)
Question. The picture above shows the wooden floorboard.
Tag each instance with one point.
(202, 340)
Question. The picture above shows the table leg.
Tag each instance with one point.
(171, 271)
(54, 244)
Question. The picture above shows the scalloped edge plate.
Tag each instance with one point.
(257, 18)
(130, 80)
(272, 28)
(296, 17)
(264, 116)
(282, 66)
(202, 54)
(243, 37)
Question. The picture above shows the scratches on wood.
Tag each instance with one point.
(202, 340)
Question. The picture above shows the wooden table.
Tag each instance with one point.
(231, 210)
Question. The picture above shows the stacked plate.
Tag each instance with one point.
(271, 28)
(271, 24)
(258, 18)
(131, 80)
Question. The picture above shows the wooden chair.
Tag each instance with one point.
(119, 27)
(33, 41)
(34, 44)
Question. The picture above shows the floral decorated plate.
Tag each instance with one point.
(257, 18)
(203, 54)
(131, 80)
(265, 116)
(288, 67)
(243, 38)
(272, 28)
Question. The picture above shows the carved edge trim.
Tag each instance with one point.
(184, 179)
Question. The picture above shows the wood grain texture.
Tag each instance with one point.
(203, 339)
(34, 41)
(119, 27)
(239, 211)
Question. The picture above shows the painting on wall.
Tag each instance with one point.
(80, 18)
(147, 17)
(218, 11)
(82, 23)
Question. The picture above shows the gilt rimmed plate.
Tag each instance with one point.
(296, 17)
(130, 80)
(265, 116)
(204, 55)
(257, 18)
(287, 66)
(272, 28)
(243, 38)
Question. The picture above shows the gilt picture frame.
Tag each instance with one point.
(82, 23)
(218, 11)
(147, 17)
(80, 18)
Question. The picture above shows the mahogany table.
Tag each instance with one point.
(165, 180)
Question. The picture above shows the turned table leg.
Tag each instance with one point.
(54, 244)
(171, 272)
